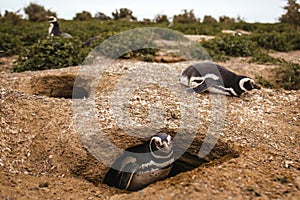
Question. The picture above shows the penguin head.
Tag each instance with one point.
(247, 84)
(52, 19)
(161, 145)
(185, 80)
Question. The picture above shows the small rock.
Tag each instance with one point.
(36, 188)
(45, 190)
(288, 163)
(44, 185)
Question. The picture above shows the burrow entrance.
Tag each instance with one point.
(189, 160)
(59, 86)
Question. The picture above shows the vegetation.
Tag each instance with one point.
(12, 17)
(83, 16)
(292, 15)
(37, 13)
(123, 14)
(101, 16)
(185, 18)
(224, 46)
(209, 19)
(36, 51)
(9, 45)
(161, 19)
(49, 53)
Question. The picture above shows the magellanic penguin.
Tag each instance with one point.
(216, 79)
(54, 29)
(142, 165)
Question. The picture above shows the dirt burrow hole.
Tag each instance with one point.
(189, 160)
(60, 86)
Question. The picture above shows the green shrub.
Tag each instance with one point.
(197, 28)
(273, 40)
(290, 76)
(51, 53)
(27, 32)
(288, 73)
(262, 57)
(10, 44)
(294, 38)
(228, 45)
(264, 82)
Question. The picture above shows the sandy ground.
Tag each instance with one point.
(43, 155)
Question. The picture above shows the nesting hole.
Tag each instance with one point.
(188, 161)
(59, 86)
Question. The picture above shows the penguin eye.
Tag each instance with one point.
(158, 143)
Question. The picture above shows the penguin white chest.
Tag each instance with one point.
(141, 180)
(50, 29)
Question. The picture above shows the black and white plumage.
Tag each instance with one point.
(216, 79)
(54, 29)
(142, 165)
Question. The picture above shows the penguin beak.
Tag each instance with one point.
(256, 87)
(166, 147)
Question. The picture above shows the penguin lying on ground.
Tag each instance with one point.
(216, 79)
(54, 29)
(151, 162)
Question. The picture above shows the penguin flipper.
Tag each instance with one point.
(203, 86)
(126, 175)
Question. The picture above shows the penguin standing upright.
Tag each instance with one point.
(54, 29)
(142, 165)
(216, 79)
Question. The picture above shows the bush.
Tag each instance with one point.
(288, 73)
(273, 40)
(227, 45)
(290, 76)
(83, 16)
(37, 13)
(264, 82)
(50, 53)
(12, 17)
(186, 17)
(261, 57)
(10, 44)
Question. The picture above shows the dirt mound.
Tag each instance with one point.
(44, 156)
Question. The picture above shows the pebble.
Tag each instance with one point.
(45, 190)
